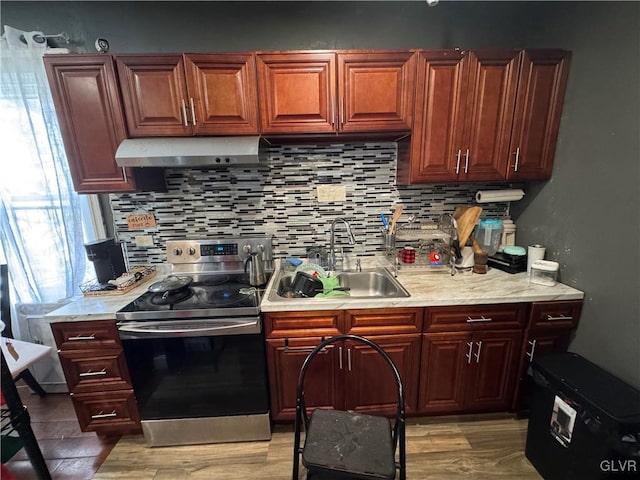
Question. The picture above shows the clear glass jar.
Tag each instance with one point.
(489, 234)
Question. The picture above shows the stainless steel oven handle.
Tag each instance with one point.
(137, 328)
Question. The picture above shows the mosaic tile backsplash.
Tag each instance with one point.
(280, 199)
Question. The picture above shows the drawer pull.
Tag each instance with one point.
(468, 355)
(340, 355)
(94, 374)
(299, 350)
(551, 318)
(104, 415)
(481, 319)
(533, 349)
(82, 337)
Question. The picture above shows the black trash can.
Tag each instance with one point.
(584, 423)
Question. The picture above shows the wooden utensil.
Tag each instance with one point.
(466, 222)
(394, 220)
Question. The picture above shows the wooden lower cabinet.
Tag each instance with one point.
(548, 330)
(96, 372)
(323, 385)
(468, 371)
(349, 375)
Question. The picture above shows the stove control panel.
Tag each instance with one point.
(218, 251)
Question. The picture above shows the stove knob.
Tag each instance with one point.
(177, 251)
(247, 248)
(192, 251)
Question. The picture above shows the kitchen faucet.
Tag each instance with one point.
(332, 250)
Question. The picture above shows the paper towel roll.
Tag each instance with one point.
(510, 195)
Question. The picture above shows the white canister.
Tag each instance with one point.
(544, 272)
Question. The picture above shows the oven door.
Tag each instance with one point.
(198, 388)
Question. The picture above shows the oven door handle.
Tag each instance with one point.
(146, 329)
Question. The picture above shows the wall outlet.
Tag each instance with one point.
(144, 241)
(331, 193)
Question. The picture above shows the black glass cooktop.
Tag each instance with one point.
(207, 296)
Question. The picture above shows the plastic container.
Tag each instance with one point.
(489, 234)
(544, 272)
(508, 234)
(584, 423)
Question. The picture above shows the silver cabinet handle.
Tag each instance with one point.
(466, 161)
(340, 358)
(517, 154)
(104, 415)
(333, 112)
(458, 161)
(341, 112)
(481, 319)
(81, 338)
(349, 359)
(478, 353)
(469, 352)
(184, 113)
(93, 374)
(193, 111)
(551, 318)
(533, 349)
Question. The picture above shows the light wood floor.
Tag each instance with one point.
(470, 449)
(438, 448)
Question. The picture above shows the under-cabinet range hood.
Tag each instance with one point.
(172, 152)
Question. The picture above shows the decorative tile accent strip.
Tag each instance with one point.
(279, 199)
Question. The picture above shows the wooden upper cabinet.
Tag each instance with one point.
(297, 92)
(331, 92)
(463, 116)
(224, 89)
(87, 102)
(542, 84)
(191, 94)
(493, 79)
(441, 90)
(376, 91)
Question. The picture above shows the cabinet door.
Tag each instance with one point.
(223, 91)
(85, 94)
(541, 88)
(375, 91)
(440, 99)
(443, 369)
(323, 385)
(537, 342)
(297, 92)
(369, 382)
(492, 373)
(154, 93)
(493, 77)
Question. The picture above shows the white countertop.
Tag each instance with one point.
(426, 289)
(432, 289)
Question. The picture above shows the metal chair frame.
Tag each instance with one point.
(302, 418)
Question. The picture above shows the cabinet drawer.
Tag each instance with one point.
(555, 314)
(383, 321)
(101, 372)
(107, 412)
(86, 335)
(303, 324)
(475, 317)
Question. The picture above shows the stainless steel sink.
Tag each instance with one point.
(378, 283)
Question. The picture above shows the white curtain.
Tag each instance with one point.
(40, 214)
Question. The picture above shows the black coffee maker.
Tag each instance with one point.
(107, 259)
